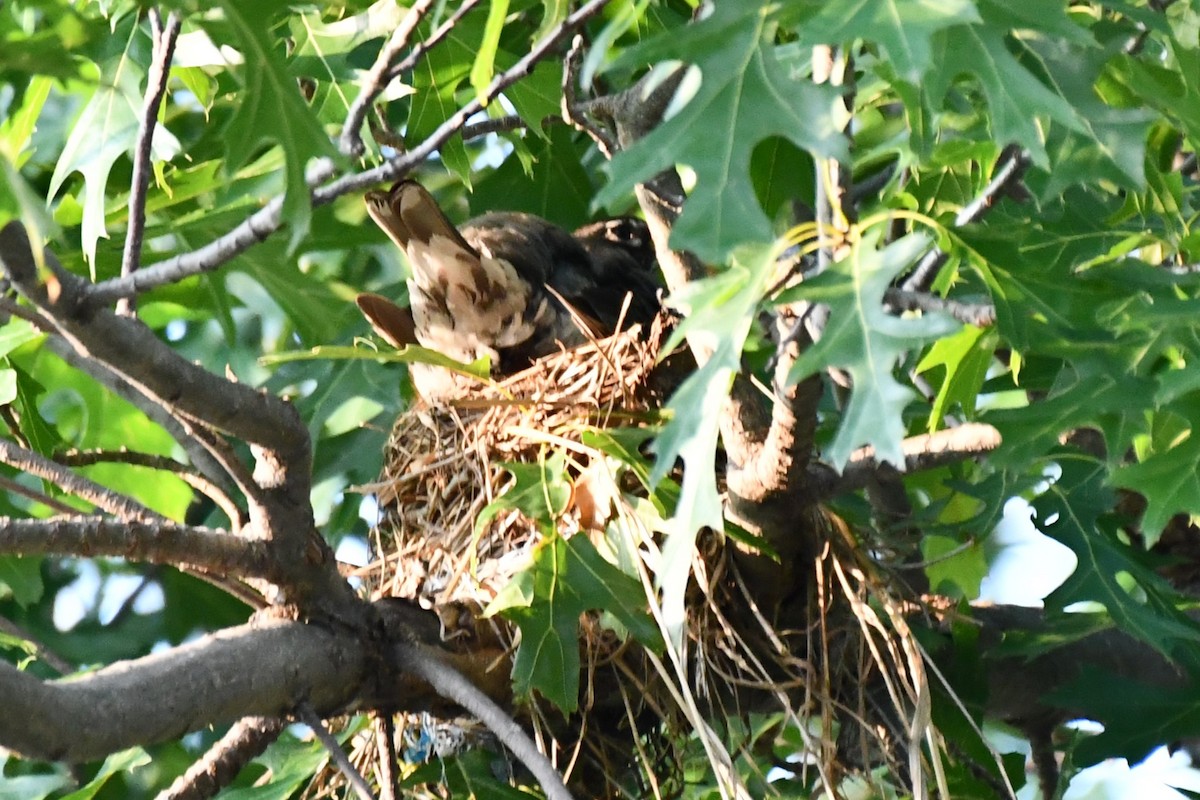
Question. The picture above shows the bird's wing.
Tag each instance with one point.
(393, 323)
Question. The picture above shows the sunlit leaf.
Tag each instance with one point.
(744, 96)
(867, 342)
(106, 130)
(271, 108)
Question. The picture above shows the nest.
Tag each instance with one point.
(443, 467)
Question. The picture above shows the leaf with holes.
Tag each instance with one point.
(866, 341)
(744, 96)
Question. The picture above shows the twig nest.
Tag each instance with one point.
(442, 465)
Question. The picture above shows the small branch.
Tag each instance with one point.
(200, 483)
(156, 87)
(350, 142)
(923, 452)
(1013, 163)
(435, 38)
(385, 746)
(53, 503)
(571, 112)
(101, 497)
(267, 220)
(309, 717)
(978, 314)
(130, 349)
(44, 654)
(216, 769)
(266, 668)
(209, 549)
(509, 122)
(450, 684)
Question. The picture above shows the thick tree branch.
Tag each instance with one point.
(264, 668)
(267, 220)
(156, 542)
(156, 87)
(350, 142)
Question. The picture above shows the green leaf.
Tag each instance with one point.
(485, 59)
(1136, 719)
(867, 342)
(8, 386)
(1016, 98)
(1169, 478)
(29, 787)
(290, 765)
(22, 575)
(308, 302)
(17, 130)
(538, 96)
(272, 109)
(539, 491)
(1103, 142)
(744, 96)
(721, 310)
(107, 129)
(902, 27)
(566, 578)
(436, 81)
(15, 333)
(1071, 510)
(116, 764)
(966, 357)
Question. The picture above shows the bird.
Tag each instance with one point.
(509, 286)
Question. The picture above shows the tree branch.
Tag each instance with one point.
(979, 314)
(350, 142)
(216, 769)
(156, 87)
(132, 350)
(309, 717)
(269, 218)
(199, 482)
(53, 503)
(1013, 164)
(264, 668)
(449, 683)
(927, 451)
(115, 503)
(435, 38)
(157, 542)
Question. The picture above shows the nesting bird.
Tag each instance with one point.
(509, 286)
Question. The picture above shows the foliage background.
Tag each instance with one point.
(1089, 265)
